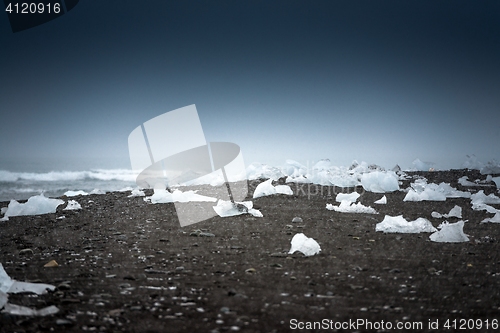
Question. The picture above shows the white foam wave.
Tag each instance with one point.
(53, 176)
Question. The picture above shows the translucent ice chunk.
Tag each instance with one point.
(7, 285)
(73, 205)
(35, 205)
(399, 224)
(350, 197)
(450, 233)
(304, 244)
(24, 311)
(381, 201)
(227, 208)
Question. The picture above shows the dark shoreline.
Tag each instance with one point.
(125, 265)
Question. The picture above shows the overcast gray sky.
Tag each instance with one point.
(381, 81)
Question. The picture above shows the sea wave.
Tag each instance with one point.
(54, 176)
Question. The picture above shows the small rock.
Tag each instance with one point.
(297, 219)
(25, 252)
(63, 322)
(51, 263)
(250, 270)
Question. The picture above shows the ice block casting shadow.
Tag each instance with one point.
(171, 149)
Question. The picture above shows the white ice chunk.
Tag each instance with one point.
(75, 193)
(227, 208)
(436, 215)
(73, 205)
(427, 195)
(491, 168)
(164, 196)
(348, 207)
(266, 188)
(304, 244)
(97, 191)
(25, 311)
(481, 206)
(398, 224)
(494, 219)
(481, 198)
(450, 233)
(381, 201)
(3, 299)
(380, 181)
(350, 197)
(35, 205)
(136, 193)
(8, 285)
(472, 163)
(258, 171)
(465, 182)
(454, 212)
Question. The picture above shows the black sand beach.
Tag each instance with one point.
(127, 266)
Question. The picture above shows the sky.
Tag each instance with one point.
(384, 82)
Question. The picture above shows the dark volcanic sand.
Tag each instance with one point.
(127, 266)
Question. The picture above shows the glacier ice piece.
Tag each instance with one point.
(36, 205)
(75, 193)
(304, 244)
(350, 197)
(136, 193)
(398, 224)
(494, 219)
(454, 212)
(8, 285)
(381, 201)
(380, 181)
(227, 208)
(25, 311)
(481, 198)
(348, 207)
(164, 196)
(266, 188)
(423, 166)
(450, 233)
(496, 180)
(73, 205)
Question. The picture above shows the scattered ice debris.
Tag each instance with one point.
(454, 212)
(381, 201)
(494, 219)
(398, 224)
(348, 207)
(8, 285)
(227, 208)
(465, 182)
(266, 188)
(423, 166)
(421, 191)
(450, 233)
(73, 205)
(136, 193)
(75, 193)
(480, 197)
(380, 182)
(350, 197)
(35, 205)
(492, 167)
(164, 196)
(304, 244)
(258, 171)
(25, 311)
(297, 219)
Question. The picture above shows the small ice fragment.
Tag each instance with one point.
(436, 215)
(348, 207)
(304, 244)
(497, 181)
(3, 299)
(494, 219)
(73, 205)
(381, 201)
(398, 224)
(74, 193)
(227, 208)
(136, 193)
(297, 219)
(266, 188)
(350, 197)
(25, 311)
(450, 233)
(7, 285)
(283, 189)
(454, 212)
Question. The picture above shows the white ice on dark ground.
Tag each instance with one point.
(302, 243)
(10, 286)
(464, 181)
(36, 205)
(420, 190)
(164, 196)
(454, 212)
(73, 205)
(380, 182)
(496, 180)
(450, 233)
(381, 201)
(227, 208)
(136, 193)
(350, 197)
(398, 224)
(492, 167)
(480, 197)
(494, 219)
(75, 193)
(266, 188)
(349, 207)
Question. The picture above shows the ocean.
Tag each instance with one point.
(22, 178)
